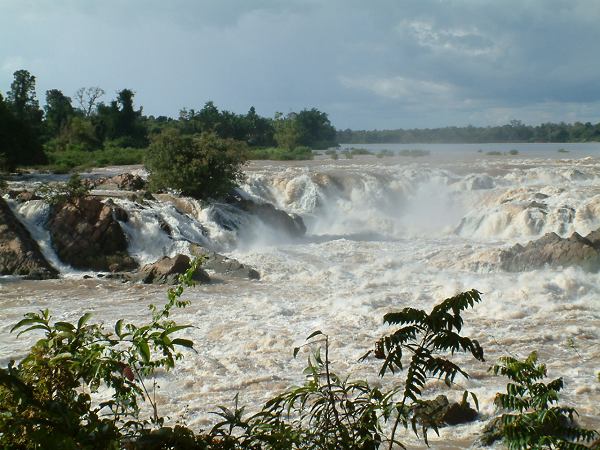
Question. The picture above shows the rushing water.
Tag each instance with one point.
(382, 234)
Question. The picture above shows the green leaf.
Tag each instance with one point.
(183, 342)
(313, 334)
(61, 356)
(83, 320)
(64, 326)
(29, 321)
(34, 327)
(144, 351)
(119, 327)
(175, 329)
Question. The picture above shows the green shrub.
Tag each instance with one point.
(57, 193)
(200, 165)
(536, 420)
(46, 400)
(76, 158)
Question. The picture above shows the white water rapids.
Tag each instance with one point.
(382, 234)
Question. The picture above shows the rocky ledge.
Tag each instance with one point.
(554, 251)
(19, 252)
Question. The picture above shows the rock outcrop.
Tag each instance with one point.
(19, 253)
(222, 265)
(167, 270)
(123, 181)
(291, 225)
(440, 412)
(86, 235)
(554, 251)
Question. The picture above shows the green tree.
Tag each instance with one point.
(259, 130)
(58, 111)
(201, 165)
(22, 131)
(22, 98)
(287, 131)
(315, 128)
(10, 137)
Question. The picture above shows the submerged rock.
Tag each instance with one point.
(289, 224)
(554, 251)
(167, 270)
(86, 235)
(19, 252)
(223, 265)
(439, 412)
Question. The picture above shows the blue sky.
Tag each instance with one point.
(369, 64)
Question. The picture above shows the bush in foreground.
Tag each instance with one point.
(50, 399)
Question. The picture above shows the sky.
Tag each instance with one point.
(377, 64)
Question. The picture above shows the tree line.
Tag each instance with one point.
(85, 123)
(514, 131)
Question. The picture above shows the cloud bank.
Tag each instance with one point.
(378, 64)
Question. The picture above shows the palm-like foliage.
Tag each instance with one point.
(424, 338)
(537, 422)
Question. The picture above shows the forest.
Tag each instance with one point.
(514, 131)
(85, 130)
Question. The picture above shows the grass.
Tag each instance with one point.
(76, 160)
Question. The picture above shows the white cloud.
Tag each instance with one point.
(469, 41)
(398, 87)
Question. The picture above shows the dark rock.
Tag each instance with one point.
(124, 181)
(491, 433)
(19, 252)
(87, 277)
(459, 413)
(164, 226)
(119, 213)
(223, 265)
(86, 235)
(290, 224)
(440, 412)
(167, 270)
(554, 251)
(129, 182)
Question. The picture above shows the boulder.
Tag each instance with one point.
(290, 224)
(124, 181)
(86, 235)
(223, 265)
(129, 182)
(440, 412)
(19, 252)
(167, 270)
(554, 251)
